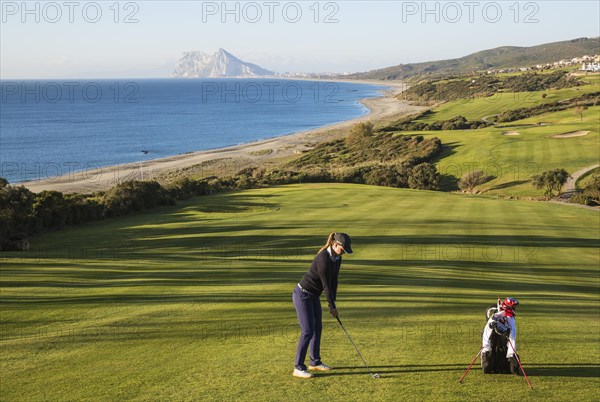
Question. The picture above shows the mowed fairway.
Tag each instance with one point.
(193, 302)
(511, 160)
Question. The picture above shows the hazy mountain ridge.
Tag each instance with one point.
(500, 57)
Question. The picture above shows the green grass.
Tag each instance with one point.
(193, 302)
(512, 160)
(476, 109)
(592, 78)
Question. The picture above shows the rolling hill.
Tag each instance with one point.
(500, 57)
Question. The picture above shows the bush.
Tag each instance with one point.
(83, 209)
(49, 211)
(470, 180)
(484, 85)
(134, 196)
(424, 177)
(455, 123)
(590, 194)
(389, 176)
(16, 203)
(551, 181)
(186, 188)
(360, 131)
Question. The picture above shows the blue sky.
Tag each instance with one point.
(136, 39)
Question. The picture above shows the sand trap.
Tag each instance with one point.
(571, 134)
(511, 133)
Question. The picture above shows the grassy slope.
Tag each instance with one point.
(194, 301)
(476, 109)
(512, 160)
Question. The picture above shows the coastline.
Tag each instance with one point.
(227, 160)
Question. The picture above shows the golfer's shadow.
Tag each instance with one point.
(397, 369)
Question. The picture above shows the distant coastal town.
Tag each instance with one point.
(588, 63)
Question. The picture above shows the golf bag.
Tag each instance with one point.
(495, 360)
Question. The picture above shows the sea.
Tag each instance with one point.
(56, 127)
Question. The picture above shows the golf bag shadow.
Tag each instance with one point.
(495, 361)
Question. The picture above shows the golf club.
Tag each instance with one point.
(374, 375)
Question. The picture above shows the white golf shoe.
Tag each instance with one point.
(302, 373)
(320, 367)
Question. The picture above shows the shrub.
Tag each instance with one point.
(424, 177)
(16, 203)
(133, 196)
(483, 86)
(471, 180)
(83, 209)
(49, 211)
(360, 131)
(551, 181)
(390, 176)
(185, 188)
(590, 194)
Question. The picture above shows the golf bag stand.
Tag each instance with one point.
(470, 365)
(519, 361)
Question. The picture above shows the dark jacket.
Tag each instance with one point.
(323, 277)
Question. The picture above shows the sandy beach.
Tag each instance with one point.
(228, 160)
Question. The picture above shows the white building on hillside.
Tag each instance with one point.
(592, 67)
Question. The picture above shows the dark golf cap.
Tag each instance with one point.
(344, 240)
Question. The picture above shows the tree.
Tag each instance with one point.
(15, 213)
(133, 196)
(551, 181)
(50, 210)
(471, 180)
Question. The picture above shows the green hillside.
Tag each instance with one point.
(193, 302)
(501, 57)
(511, 153)
(478, 108)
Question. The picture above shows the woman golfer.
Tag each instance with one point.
(321, 277)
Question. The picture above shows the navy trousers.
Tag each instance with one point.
(310, 317)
